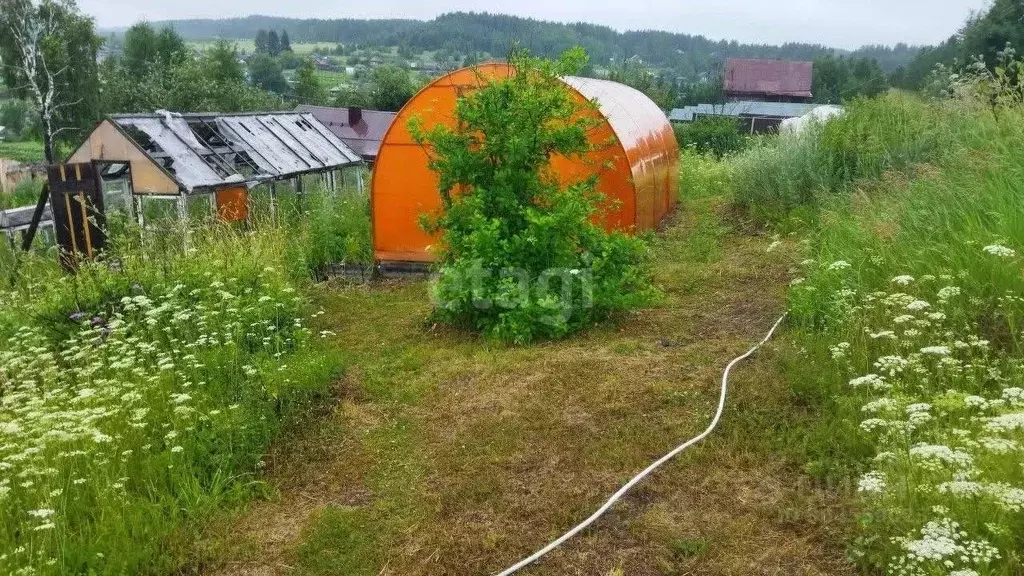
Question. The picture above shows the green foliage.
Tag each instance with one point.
(908, 316)
(703, 175)
(193, 85)
(16, 116)
(656, 87)
(391, 88)
(265, 72)
(308, 89)
(347, 97)
(691, 57)
(67, 49)
(985, 35)
(26, 193)
(30, 151)
(520, 257)
(145, 49)
(273, 43)
(719, 135)
(221, 63)
(895, 132)
(337, 229)
(703, 92)
(151, 389)
(840, 79)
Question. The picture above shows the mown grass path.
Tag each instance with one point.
(447, 455)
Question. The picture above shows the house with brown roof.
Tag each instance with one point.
(362, 130)
(767, 80)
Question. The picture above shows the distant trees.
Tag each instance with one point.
(49, 55)
(308, 89)
(265, 72)
(983, 36)
(214, 81)
(143, 48)
(270, 42)
(689, 57)
(657, 87)
(391, 88)
(838, 79)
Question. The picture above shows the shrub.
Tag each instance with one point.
(718, 135)
(521, 257)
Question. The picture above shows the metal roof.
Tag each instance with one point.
(209, 151)
(743, 108)
(768, 77)
(364, 135)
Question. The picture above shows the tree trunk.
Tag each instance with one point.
(47, 138)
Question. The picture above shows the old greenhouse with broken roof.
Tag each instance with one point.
(216, 159)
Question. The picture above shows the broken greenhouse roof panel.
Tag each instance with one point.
(210, 151)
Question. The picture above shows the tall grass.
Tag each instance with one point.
(138, 395)
(895, 132)
(908, 314)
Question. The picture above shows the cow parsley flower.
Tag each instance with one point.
(999, 250)
(932, 454)
(918, 305)
(936, 350)
(891, 365)
(1007, 497)
(961, 488)
(1006, 422)
(872, 482)
(839, 265)
(948, 292)
(903, 280)
(870, 380)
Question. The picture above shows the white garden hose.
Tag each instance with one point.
(625, 488)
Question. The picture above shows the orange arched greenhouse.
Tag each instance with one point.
(635, 158)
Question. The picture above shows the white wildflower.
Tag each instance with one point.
(999, 250)
(936, 350)
(839, 265)
(872, 482)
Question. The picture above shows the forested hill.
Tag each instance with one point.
(494, 34)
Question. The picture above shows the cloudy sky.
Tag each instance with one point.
(841, 23)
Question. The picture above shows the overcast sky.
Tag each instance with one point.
(840, 23)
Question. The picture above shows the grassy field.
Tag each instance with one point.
(908, 313)
(249, 45)
(22, 151)
(445, 454)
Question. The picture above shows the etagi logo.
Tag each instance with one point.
(557, 290)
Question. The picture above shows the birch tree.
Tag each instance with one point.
(48, 52)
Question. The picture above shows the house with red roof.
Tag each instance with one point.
(767, 80)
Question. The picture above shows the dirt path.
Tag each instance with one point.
(449, 456)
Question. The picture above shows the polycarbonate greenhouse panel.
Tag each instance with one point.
(186, 165)
(205, 151)
(634, 156)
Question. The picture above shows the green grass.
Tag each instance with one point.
(452, 454)
(908, 320)
(781, 177)
(249, 45)
(25, 194)
(30, 151)
(140, 394)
